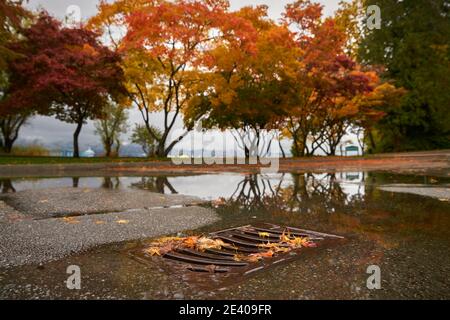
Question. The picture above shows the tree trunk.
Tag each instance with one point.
(258, 141)
(108, 149)
(300, 147)
(372, 141)
(117, 151)
(282, 150)
(10, 127)
(161, 153)
(76, 148)
(332, 150)
(247, 154)
(7, 186)
(8, 144)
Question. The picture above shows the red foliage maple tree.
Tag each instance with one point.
(64, 72)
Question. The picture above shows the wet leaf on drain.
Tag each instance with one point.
(264, 234)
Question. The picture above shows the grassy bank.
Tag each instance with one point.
(11, 160)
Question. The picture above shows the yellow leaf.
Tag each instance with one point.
(264, 234)
(153, 251)
(71, 220)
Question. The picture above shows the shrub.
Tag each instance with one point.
(34, 150)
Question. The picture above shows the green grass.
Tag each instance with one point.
(5, 160)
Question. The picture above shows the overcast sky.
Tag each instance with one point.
(51, 131)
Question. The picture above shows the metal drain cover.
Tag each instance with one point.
(245, 241)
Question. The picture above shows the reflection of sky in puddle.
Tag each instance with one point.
(208, 187)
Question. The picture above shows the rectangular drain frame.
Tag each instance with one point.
(247, 239)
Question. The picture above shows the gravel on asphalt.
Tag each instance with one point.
(57, 202)
(38, 241)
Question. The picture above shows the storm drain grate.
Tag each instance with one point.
(245, 249)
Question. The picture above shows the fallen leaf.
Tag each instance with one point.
(153, 251)
(298, 242)
(122, 221)
(255, 257)
(190, 242)
(267, 254)
(264, 234)
(70, 220)
(205, 243)
(275, 247)
(285, 237)
(168, 239)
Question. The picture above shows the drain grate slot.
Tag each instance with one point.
(230, 238)
(222, 253)
(206, 261)
(206, 255)
(285, 231)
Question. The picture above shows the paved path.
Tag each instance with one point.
(54, 202)
(38, 241)
(41, 225)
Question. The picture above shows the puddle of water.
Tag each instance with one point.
(407, 235)
(208, 187)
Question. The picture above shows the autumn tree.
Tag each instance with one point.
(372, 109)
(166, 47)
(142, 137)
(111, 126)
(12, 16)
(245, 91)
(64, 72)
(326, 82)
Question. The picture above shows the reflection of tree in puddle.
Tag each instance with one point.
(75, 182)
(338, 203)
(155, 184)
(111, 183)
(6, 186)
(297, 193)
(251, 192)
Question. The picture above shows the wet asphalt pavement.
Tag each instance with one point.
(404, 229)
(56, 202)
(38, 226)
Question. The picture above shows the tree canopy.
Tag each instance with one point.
(413, 48)
(64, 72)
(305, 77)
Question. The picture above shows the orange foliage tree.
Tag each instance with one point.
(167, 47)
(328, 80)
(247, 92)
